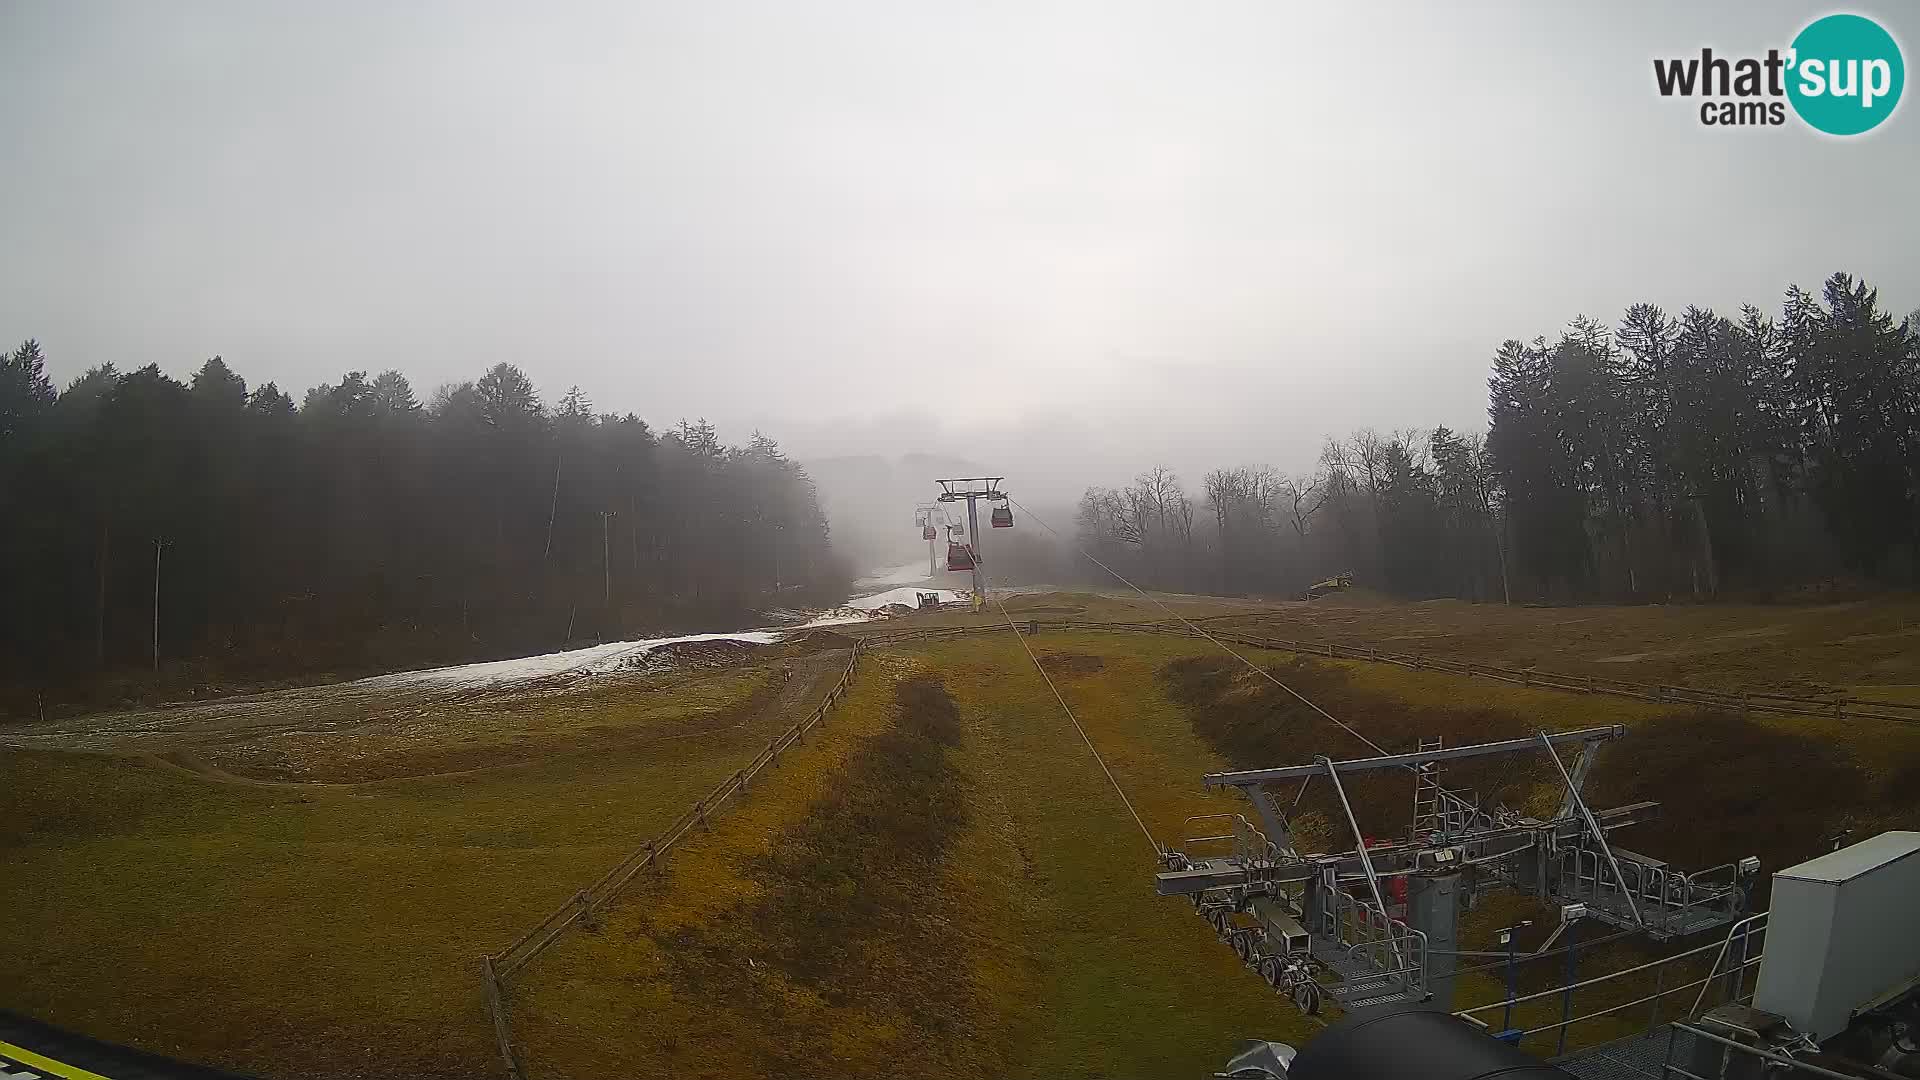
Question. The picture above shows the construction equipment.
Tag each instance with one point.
(1337, 583)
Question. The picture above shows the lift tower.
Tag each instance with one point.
(923, 516)
(972, 489)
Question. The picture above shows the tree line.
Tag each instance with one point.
(1695, 456)
(213, 531)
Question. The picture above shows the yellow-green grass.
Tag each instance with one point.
(1129, 984)
(1870, 647)
(708, 969)
(1041, 924)
(323, 932)
(302, 931)
(1106, 607)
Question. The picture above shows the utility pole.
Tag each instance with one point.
(606, 555)
(158, 543)
(972, 489)
(553, 507)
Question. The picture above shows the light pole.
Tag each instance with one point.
(606, 556)
(158, 543)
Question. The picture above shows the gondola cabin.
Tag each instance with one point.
(959, 557)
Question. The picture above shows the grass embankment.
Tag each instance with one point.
(852, 918)
(926, 892)
(1127, 983)
(1869, 648)
(1776, 787)
(314, 932)
(1101, 607)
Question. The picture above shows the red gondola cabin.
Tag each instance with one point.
(959, 557)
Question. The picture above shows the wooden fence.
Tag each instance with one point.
(497, 968)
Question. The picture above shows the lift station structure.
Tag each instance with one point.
(1377, 924)
(971, 489)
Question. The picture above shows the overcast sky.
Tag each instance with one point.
(1068, 239)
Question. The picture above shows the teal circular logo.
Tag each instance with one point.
(1846, 74)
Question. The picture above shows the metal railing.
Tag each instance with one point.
(1777, 1060)
(1664, 896)
(496, 968)
(1249, 844)
(1389, 947)
(1733, 956)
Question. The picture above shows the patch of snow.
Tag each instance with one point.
(840, 617)
(908, 596)
(593, 660)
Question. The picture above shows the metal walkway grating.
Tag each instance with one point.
(1636, 1057)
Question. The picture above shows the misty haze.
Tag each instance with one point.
(771, 540)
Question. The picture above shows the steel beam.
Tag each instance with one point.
(1398, 761)
(1391, 860)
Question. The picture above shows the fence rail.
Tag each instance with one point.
(497, 968)
(1833, 707)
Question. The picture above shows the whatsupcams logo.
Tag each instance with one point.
(1842, 75)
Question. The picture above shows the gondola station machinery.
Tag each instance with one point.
(1374, 928)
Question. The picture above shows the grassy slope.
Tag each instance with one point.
(266, 928)
(1058, 958)
(805, 934)
(320, 932)
(1130, 984)
(1870, 647)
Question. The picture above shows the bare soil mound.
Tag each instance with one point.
(814, 641)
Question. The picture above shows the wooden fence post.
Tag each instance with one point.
(501, 1034)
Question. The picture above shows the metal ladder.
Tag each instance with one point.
(1428, 812)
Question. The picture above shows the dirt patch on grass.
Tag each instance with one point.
(839, 956)
(814, 641)
(679, 655)
(1069, 663)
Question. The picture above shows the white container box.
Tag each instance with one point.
(1844, 934)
